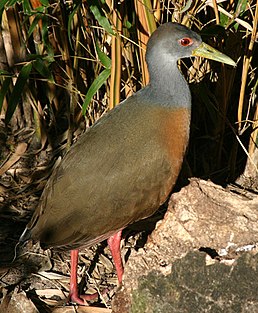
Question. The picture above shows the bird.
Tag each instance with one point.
(124, 166)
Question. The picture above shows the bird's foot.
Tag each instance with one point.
(82, 299)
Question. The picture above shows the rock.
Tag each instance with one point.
(200, 258)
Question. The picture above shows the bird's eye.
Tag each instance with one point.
(186, 42)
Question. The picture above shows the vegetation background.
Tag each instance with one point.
(65, 63)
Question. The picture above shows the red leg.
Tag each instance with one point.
(114, 246)
(74, 295)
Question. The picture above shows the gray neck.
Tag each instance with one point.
(167, 85)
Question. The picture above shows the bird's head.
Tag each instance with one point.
(175, 41)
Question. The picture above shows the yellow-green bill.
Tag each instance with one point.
(209, 52)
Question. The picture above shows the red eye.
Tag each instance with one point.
(186, 42)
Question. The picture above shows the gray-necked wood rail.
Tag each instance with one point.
(123, 167)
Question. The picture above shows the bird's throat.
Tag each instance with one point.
(168, 86)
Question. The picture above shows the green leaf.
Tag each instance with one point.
(34, 24)
(98, 82)
(224, 19)
(241, 6)
(3, 90)
(12, 3)
(41, 9)
(34, 56)
(50, 58)
(45, 29)
(45, 3)
(104, 59)
(4, 73)
(241, 9)
(100, 16)
(43, 70)
(17, 91)
(2, 4)
(128, 25)
(187, 6)
(26, 7)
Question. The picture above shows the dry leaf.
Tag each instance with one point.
(106, 262)
(238, 20)
(82, 309)
(52, 275)
(17, 302)
(20, 149)
(48, 293)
